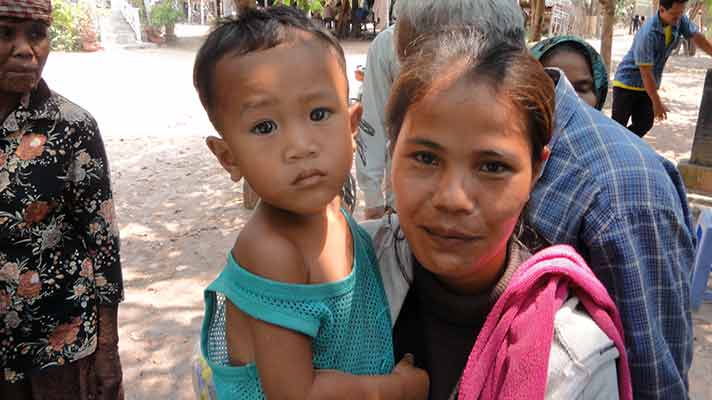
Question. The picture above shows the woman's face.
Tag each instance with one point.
(24, 47)
(577, 71)
(462, 173)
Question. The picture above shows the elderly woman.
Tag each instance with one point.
(60, 275)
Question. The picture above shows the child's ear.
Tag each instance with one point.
(224, 155)
(355, 114)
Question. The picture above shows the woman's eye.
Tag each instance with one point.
(6, 32)
(264, 128)
(494, 168)
(319, 114)
(425, 158)
(583, 89)
(37, 32)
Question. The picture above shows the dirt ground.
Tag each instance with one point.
(179, 213)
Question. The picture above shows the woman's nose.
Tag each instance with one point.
(21, 47)
(453, 194)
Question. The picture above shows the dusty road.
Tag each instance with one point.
(179, 213)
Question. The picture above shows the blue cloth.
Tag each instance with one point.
(624, 208)
(348, 320)
(649, 49)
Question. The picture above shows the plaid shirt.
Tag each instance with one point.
(624, 208)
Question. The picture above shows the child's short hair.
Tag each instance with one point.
(253, 30)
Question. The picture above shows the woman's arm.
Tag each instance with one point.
(583, 360)
(91, 201)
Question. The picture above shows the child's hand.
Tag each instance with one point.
(416, 382)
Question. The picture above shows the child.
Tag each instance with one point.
(299, 311)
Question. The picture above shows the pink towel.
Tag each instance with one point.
(511, 355)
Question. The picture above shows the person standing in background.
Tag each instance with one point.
(639, 75)
(60, 271)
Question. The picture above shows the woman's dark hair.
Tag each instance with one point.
(467, 55)
(253, 30)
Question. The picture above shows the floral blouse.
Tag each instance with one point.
(59, 240)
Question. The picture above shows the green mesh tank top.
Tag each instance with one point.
(348, 320)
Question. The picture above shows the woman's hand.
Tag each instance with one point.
(107, 365)
(416, 383)
(374, 213)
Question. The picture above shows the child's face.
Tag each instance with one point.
(285, 124)
(462, 173)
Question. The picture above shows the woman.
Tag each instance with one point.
(581, 63)
(469, 123)
(60, 275)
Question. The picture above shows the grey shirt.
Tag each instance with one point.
(373, 159)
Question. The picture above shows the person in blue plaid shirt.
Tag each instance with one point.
(605, 192)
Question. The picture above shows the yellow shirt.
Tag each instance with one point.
(668, 35)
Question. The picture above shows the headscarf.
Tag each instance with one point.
(40, 10)
(600, 74)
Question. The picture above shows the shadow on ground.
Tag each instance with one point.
(179, 215)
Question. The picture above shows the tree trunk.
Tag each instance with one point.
(538, 9)
(343, 26)
(242, 4)
(355, 21)
(609, 19)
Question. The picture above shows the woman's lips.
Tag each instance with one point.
(450, 236)
(22, 73)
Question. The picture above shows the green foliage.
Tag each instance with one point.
(164, 13)
(308, 5)
(624, 9)
(70, 23)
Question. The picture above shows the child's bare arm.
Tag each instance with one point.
(284, 362)
(284, 357)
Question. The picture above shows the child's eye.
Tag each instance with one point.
(264, 128)
(494, 167)
(319, 114)
(426, 158)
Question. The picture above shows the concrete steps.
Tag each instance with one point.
(116, 33)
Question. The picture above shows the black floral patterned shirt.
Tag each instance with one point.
(59, 240)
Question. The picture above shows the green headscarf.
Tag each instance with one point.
(600, 75)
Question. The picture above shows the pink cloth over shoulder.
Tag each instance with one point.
(511, 355)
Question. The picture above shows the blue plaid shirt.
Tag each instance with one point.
(649, 49)
(624, 208)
